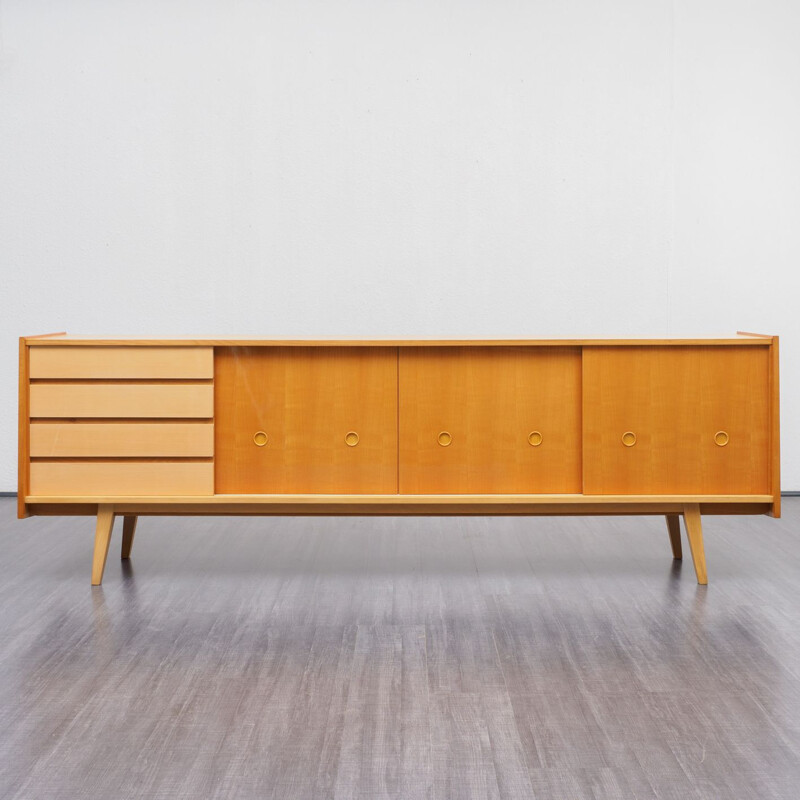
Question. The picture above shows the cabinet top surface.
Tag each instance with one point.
(63, 339)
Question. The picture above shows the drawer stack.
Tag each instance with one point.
(126, 420)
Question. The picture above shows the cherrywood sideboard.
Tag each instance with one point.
(677, 427)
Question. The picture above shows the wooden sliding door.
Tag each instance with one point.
(490, 419)
(306, 420)
(677, 420)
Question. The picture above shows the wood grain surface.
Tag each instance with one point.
(162, 478)
(71, 341)
(489, 401)
(115, 400)
(121, 362)
(306, 401)
(675, 400)
(123, 439)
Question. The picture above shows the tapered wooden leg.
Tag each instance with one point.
(674, 529)
(102, 539)
(128, 532)
(694, 533)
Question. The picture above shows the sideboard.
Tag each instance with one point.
(675, 427)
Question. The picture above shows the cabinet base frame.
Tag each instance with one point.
(451, 505)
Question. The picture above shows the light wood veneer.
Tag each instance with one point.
(121, 362)
(152, 478)
(58, 439)
(117, 400)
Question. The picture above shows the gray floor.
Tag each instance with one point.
(406, 658)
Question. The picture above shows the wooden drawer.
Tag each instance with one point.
(121, 362)
(121, 400)
(121, 421)
(306, 400)
(672, 402)
(122, 439)
(128, 478)
(512, 415)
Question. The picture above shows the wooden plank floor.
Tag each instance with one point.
(400, 658)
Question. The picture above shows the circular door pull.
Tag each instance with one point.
(351, 438)
(629, 438)
(260, 438)
(444, 439)
(721, 438)
(534, 438)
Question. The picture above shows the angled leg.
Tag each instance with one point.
(102, 539)
(694, 533)
(674, 530)
(128, 532)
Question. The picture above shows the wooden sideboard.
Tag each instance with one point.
(679, 427)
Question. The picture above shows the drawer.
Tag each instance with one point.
(490, 420)
(121, 439)
(121, 400)
(125, 478)
(121, 362)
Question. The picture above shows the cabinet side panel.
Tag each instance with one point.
(23, 449)
(696, 420)
(775, 425)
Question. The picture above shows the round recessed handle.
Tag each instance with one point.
(534, 438)
(444, 438)
(629, 438)
(260, 438)
(351, 438)
(721, 438)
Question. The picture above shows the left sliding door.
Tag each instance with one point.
(306, 419)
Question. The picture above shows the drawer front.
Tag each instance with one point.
(122, 439)
(121, 362)
(490, 420)
(127, 421)
(137, 400)
(306, 420)
(126, 478)
(676, 420)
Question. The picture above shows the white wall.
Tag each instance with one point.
(416, 168)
